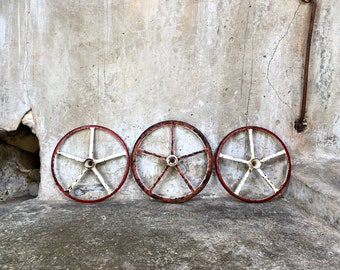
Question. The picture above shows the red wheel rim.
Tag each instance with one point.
(160, 161)
(253, 164)
(87, 175)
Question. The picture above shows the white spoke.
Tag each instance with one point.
(91, 142)
(110, 157)
(70, 156)
(101, 180)
(251, 143)
(240, 185)
(233, 158)
(280, 153)
(77, 179)
(270, 183)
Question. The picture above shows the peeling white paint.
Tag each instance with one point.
(3, 24)
(336, 127)
(29, 121)
(38, 8)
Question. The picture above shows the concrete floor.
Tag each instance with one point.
(145, 234)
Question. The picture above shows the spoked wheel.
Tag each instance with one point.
(172, 161)
(253, 164)
(90, 163)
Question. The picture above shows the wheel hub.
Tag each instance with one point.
(255, 163)
(172, 160)
(89, 163)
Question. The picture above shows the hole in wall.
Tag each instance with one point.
(20, 164)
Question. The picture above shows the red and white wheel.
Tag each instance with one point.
(90, 163)
(172, 161)
(253, 164)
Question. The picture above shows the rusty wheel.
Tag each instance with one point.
(253, 164)
(172, 161)
(88, 171)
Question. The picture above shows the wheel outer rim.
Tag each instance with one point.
(63, 139)
(220, 177)
(203, 182)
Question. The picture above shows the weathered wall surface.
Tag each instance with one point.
(126, 65)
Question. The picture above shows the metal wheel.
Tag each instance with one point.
(172, 161)
(88, 171)
(253, 164)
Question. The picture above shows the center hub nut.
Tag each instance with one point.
(255, 163)
(172, 160)
(89, 163)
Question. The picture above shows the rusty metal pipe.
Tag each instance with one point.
(300, 124)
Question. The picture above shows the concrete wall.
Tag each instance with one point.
(126, 65)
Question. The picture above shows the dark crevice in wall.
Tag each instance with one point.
(19, 164)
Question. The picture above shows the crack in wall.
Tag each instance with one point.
(244, 51)
(251, 71)
(273, 55)
(26, 58)
(326, 61)
(251, 80)
(107, 40)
